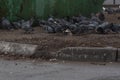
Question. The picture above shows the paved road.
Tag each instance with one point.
(28, 70)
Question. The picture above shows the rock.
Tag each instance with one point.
(110, 10)
(27, 26)
(68, 32)
(17, 25)
(101, 16)
(115, 28)
(6, 24)
(73, 28)
(49, 29)
(102, 29)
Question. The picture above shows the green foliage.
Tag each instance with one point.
(15, 9)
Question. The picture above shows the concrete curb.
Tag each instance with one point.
(97, 54)
(87, 54)
(118, 55)
(17, 48)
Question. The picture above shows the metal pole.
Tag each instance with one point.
(114, 2)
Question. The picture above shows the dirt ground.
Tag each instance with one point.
(113, 18)
(54, 42)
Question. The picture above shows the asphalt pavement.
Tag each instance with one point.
(41, 70)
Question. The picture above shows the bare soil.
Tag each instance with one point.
(113, 18)
(54, 42)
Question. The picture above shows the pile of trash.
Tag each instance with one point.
(22, 24)
(79, 24)
(73, 25)
(111, 10)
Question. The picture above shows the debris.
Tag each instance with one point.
(69, 25)
(17, 25)
(79, 24)
(68, 32)
(27, 26)
(53, 60)
(108, 27)
(99, 64)
(6, 24)
(101, 16)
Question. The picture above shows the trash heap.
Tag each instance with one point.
(79, 24)
(21, 24)
(74, 25)
(111, 10)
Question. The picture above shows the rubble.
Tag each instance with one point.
(74, 25)
(80, 24)
(5, 23)
(107, 27)
(111, 10)
(27, 26)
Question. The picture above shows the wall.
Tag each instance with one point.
(17, 9)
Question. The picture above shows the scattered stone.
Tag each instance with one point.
(68, 25)
(6, 24)
(27, 26)
(53, 60)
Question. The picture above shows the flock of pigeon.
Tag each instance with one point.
(74, 25)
